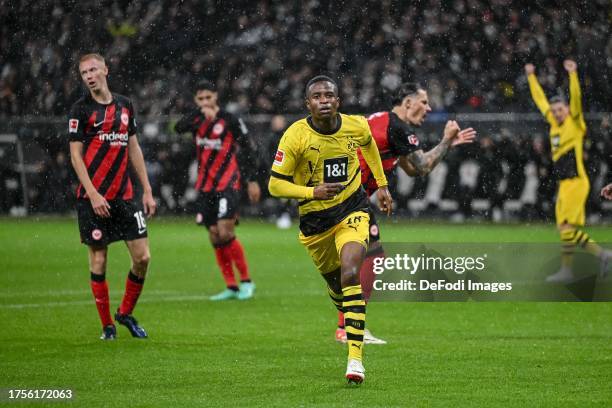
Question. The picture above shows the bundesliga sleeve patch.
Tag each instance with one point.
(73, 125)
(279, 158)
(413, 140)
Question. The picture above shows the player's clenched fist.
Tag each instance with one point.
(529, 69)
(451, 129)
(327, 191)
(570, 65)
(606, 192)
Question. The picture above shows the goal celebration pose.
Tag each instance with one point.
(317, 163)
(567, 131)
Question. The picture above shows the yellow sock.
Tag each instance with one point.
(354, 320)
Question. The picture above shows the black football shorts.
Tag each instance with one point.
(215, 206)
(126, 223)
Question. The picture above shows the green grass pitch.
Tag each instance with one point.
(278, 349)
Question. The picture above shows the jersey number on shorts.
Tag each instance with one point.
(335, 170)
(222, 207)
(140, 219)
(354, 222)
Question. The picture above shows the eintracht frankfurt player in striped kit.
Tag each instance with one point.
(225, 159)
(102, 131)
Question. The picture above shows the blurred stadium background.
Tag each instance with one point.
(469, 53)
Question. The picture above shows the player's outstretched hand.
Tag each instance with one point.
(149, 204)
(254, 192)
(606, 192)
(327, 191)
(385, 202)
(570, 65)
(464, 136)
(99, 204)
(529, 69)
(451, 130)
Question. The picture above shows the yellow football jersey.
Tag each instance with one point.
(306, 158)
(566, 139)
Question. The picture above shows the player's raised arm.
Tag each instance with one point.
(419, 163)
(422, 163)
(574, 90)
(137, 160)
(407, 166)
(538, 95)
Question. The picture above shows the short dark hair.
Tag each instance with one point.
(404, 90)
(558, 99)
(205, 85)
(320, 78)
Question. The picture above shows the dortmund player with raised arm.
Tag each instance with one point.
(567, 132)
(317, 163)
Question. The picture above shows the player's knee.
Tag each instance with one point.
(225, 235)
(142, 260)
(98, 261)
(352, 254)
(350, 269)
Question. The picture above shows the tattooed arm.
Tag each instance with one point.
(423, 163)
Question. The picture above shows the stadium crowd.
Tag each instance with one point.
(470, 53)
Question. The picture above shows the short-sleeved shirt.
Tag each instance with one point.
(104, 130)
(394, 138)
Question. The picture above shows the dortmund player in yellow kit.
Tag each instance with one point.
(316, 163)
(567, 131)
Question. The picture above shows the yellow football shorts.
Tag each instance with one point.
(571, 199)
(324, 248)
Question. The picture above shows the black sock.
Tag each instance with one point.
(134, 278)
(98, 278)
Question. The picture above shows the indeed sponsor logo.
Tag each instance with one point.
(207, 143)
(114, 138)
